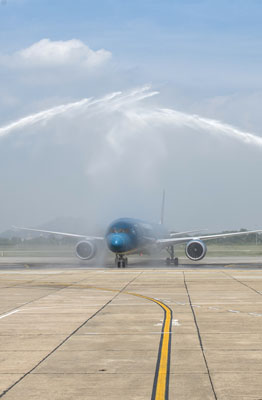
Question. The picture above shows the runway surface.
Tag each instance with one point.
(137, 333)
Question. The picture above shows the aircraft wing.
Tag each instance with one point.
(172, 241)
(61, 233)
(173, 234)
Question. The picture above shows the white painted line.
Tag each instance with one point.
(213, 308)
(195, 305)
(175, 322)
(233, 311)
(255, 314)
(6, 315)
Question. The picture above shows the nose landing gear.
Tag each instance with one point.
(121, 261)
(172, 259)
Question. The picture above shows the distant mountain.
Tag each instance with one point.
(9, 234)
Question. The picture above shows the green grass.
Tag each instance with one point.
(24, 250)
(219, 250)
(213, 250)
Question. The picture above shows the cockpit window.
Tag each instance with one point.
(119, 230)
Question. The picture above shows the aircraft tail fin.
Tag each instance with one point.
(163, 208)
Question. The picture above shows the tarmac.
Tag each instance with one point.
(77, 331)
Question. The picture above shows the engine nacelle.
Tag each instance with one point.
(196, 250)
(86, 250)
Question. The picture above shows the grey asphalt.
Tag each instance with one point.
(75, 331)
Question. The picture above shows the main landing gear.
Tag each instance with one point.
(172, 259)
(121, 261)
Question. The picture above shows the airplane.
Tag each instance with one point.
(126, 236)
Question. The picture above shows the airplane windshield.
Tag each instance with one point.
(119, 230)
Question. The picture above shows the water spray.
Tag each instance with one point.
(127, 102)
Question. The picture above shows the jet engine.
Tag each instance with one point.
(86, 250)
(196, 250)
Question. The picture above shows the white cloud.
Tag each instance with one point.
(48, 53)
(63, 70)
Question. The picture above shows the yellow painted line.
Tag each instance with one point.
(161, 381)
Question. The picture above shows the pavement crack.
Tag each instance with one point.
(38, 298)
(199, 338)
(242, 283)
(69, 336)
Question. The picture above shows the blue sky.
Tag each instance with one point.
(142, 31)
(204, 57)
(205, 44)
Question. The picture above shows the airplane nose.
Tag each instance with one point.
(117, 243)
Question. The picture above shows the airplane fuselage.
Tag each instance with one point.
(128, 235)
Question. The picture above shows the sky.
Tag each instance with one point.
(105, 104)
